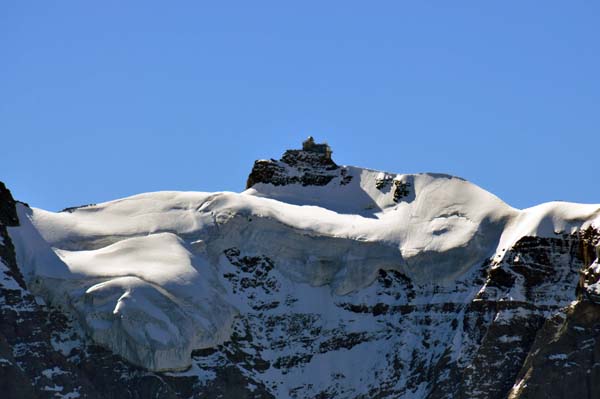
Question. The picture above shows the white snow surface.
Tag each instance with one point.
(142, 274)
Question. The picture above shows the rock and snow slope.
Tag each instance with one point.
(322, 279)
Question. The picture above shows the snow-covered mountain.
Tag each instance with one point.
(318, 280)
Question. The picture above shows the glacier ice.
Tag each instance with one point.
(142, 274)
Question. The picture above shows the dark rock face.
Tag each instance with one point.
(535, 280)
(563, 361)
(8, 213)
(8, 217)
(311, 166)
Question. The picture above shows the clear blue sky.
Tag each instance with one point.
(100, 100)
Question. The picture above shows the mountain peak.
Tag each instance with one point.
(310, 166)
(318, 263)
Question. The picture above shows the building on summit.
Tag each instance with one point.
(319, 148)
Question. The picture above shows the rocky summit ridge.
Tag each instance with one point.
(319, 280)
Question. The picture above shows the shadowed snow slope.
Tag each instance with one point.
(142, 274)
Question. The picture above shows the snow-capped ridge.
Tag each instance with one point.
(144, 274)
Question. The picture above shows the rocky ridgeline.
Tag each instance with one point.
(313, 166)
(310, 166)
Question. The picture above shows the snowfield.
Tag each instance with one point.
(144, 275)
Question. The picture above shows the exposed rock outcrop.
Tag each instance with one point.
(310, 166)
(563, 361)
